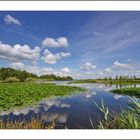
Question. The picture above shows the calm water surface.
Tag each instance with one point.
(75, 111)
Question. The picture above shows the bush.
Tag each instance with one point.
(30, 79)
(11, 80)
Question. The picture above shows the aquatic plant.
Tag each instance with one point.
(23, 94)
(33, 124)
(128, 91)
(125, 120)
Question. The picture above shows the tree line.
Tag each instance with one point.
(10, 74)
(122, 78)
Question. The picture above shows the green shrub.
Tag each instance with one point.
(29, 79)
(11, 80)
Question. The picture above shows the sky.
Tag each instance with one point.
(81, 44)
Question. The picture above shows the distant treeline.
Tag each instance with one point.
(117, 79)
(121, 78)
(56, 78)
(12, 75)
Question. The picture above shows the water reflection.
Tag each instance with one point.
(89, 94)
(51, 117)
(103, 86)
(117, 96)
(73, 111)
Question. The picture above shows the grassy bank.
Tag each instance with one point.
(22, 94)
(128, 91)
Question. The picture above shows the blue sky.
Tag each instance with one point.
(80, 44)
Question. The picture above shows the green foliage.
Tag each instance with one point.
(83, 81)
(6, 73)
(128, 91)
(56, 78)
(1, 79)
(30, 79)
(128, 120)
(23, 94)
(11, 80)
(104, 110)
(125, 120)
(23, 75)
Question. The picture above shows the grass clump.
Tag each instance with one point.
(125, 120)
(128, 91)
(33, 124)
(22, 94)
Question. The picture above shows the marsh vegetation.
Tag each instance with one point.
(35, 123)
(23, 94)
(128, 91)
(125, 120)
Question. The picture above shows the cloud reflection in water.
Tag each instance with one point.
(60, 117)
(46, 104)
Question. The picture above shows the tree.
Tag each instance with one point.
(110, 78)
(9, 72)
(57, 78)
(120, 78)
(134, 77)
(23, 75)
(116, 77)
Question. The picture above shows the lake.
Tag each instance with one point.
(76, 111)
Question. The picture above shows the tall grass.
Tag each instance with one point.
(33, 124)
(125, 120)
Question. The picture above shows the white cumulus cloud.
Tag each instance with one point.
(18, 52)
(122, 65)
(11, 20)
(88, 66)
(55, 43)
(51, 58)
(32, 69)
(66, 70)
(18, 65)
(65, 54)
(40, 70)
(109, 70)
